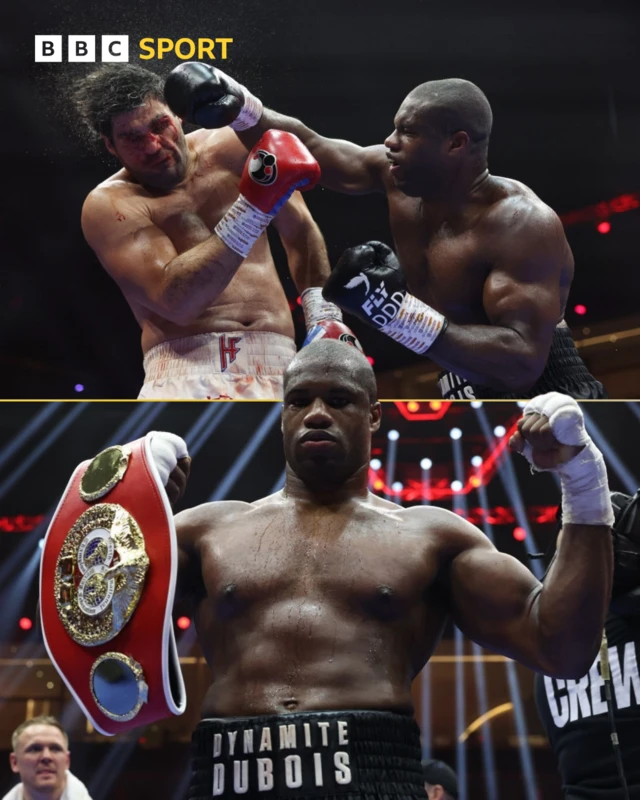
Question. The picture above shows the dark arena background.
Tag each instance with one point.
(475, 709)
(562, 80)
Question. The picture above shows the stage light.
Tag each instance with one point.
(580, 309)
(393, 436)
(375, 464)
(183, 623)
(378, 485)
(25, 624)
(413, 406)
(455, 433)
(79, 387)
(519, 534)
(397, 487)
(475, 481)
(41, 543)
(476, 404)
(604, 227)
(435, 405)
(426, 463)
(476, 461)
(371, 360)
(456, 486)
(499, 431)
(299, 300)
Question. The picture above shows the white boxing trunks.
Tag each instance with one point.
(218, 366)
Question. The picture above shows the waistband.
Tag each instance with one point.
(346, 754)
(236, 352)
(564, 372)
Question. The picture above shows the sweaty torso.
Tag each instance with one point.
(447, 265)
(303, 607)
(254, 299)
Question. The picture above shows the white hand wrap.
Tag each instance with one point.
(167, 449)
(585, 487)
(416, 325)
(242, 225)
(251, 110)
(316, 308)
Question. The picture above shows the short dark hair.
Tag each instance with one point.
(111, 90)
(333, 352)
(455, 105)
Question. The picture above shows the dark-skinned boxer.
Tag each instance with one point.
(484, 267)
(318, 605)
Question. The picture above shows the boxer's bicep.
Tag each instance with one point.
(130, 247)
(522, 292)
(303, 243)
(493, 602)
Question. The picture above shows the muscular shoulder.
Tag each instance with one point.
(218, 149)
(113, 207)
(453, 533)
(520, 217)
(193, 523)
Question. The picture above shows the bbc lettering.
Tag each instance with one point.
(116, 48)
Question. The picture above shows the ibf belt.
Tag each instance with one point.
(453, 387)
(107, 583)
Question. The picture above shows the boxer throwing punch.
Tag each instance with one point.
(483, 270)
(318, 605)
(181, 229)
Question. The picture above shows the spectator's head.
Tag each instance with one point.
(40, 754)
(440, 781)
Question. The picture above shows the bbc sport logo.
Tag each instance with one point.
(51, 49)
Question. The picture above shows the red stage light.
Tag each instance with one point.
(183, 623)
(299, 301)
(413, 406)
(378, 485)
(519, 534)
(435, 405)
(371, 360)
(580, 309)
(604, 227)
(25, 624)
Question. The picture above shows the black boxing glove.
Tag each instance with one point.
(206, 96)
(368, 282)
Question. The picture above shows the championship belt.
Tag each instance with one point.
(107, 583)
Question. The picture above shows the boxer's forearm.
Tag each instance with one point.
(307, 258)
(571, 608)
(490, 355)
(195, 279)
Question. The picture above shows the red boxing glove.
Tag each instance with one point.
(277, 166)
(332, 329)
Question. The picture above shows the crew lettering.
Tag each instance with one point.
(572, 700)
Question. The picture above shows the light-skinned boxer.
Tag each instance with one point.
(181, 229)
(318, 605)
(483, 269)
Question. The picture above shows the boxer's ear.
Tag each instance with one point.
(108, 144)
(375, 416)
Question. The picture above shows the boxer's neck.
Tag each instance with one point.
(455, 202)
(321, 490)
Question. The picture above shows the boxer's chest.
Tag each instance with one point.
(375, 567)
(444, 267)
(189, 214)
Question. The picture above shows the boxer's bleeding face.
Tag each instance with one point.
(327, 421)
(419, 156)
(150, 143)
(42, 759)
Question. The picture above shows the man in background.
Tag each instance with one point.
(40, 755)
(440, 781)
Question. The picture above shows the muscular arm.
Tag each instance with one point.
(555, 627)
(523, 301)
(303, 243)
(346, 167)
(145, 264)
